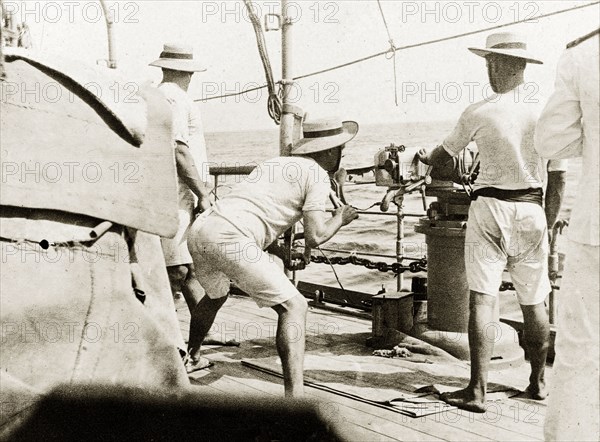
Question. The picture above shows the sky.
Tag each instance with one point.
(434, 82)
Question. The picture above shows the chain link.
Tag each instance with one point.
(414, 267)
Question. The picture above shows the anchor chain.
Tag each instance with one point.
(413, 267)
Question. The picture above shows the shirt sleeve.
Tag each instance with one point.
(558, 165)
(461, 136)
(317, 194)
(197, 141)
(559, 132)
(180, 128)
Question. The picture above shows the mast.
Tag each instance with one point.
(286, 130)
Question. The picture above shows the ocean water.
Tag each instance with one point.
(369, 233)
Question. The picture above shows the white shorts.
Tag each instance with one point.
(503, 234)
(222, 253)
(175, 249)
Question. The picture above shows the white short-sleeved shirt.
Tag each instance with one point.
(503, 128)
(569, 127)
(187, 128)
(274, 196)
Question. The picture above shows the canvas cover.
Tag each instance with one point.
(71, 159)
(80, 143)
(68, 314)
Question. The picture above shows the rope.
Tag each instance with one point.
(332, 268)
(415, 45)
(274, 106)
(392, 50)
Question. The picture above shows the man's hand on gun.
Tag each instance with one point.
(423, 155)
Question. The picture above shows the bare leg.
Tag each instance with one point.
(535, 338)
(191, 289)
(203, 316)
(183, 278)
(481, 347)
(291, 336)
(177, 275)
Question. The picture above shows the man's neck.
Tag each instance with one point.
(183, 88)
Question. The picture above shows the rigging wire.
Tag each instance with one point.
(274, 105)
(415, 45)
(333, 269)
(330, 264)
(392, 51)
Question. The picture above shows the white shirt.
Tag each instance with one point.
(274, 196)
(187, 128)
(503, 127)
(568, 127)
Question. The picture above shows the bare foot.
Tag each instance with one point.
(537, 391)
(201, 363)
(217, 340)
(464, 399)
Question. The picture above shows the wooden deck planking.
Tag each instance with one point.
(383, 422)
(234, 380)
(518, 420)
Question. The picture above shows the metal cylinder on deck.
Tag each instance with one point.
(445, 228)
(447, 288)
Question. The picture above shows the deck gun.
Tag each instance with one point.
(401, 173)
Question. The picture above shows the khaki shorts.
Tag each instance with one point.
(507, 235)
(222, 254)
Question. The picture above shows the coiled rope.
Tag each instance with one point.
(275, 97)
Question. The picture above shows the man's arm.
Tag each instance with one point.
(559, 131)
(555, 191)
(442, 156)
(186, 170)
(318, 230)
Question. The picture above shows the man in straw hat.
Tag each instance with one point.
(229, 240)
(178, 67)
(507, 227)
(568, 127)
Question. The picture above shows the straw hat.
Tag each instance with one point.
(178, 58)
(506, 43)
(324, 134)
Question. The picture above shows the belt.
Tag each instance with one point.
(530, 195)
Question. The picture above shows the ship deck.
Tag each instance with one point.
(507, 420)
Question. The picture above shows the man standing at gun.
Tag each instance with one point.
(507, 227)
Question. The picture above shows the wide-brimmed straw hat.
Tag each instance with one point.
(178, 58)
(506, 43)
(324, 134)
